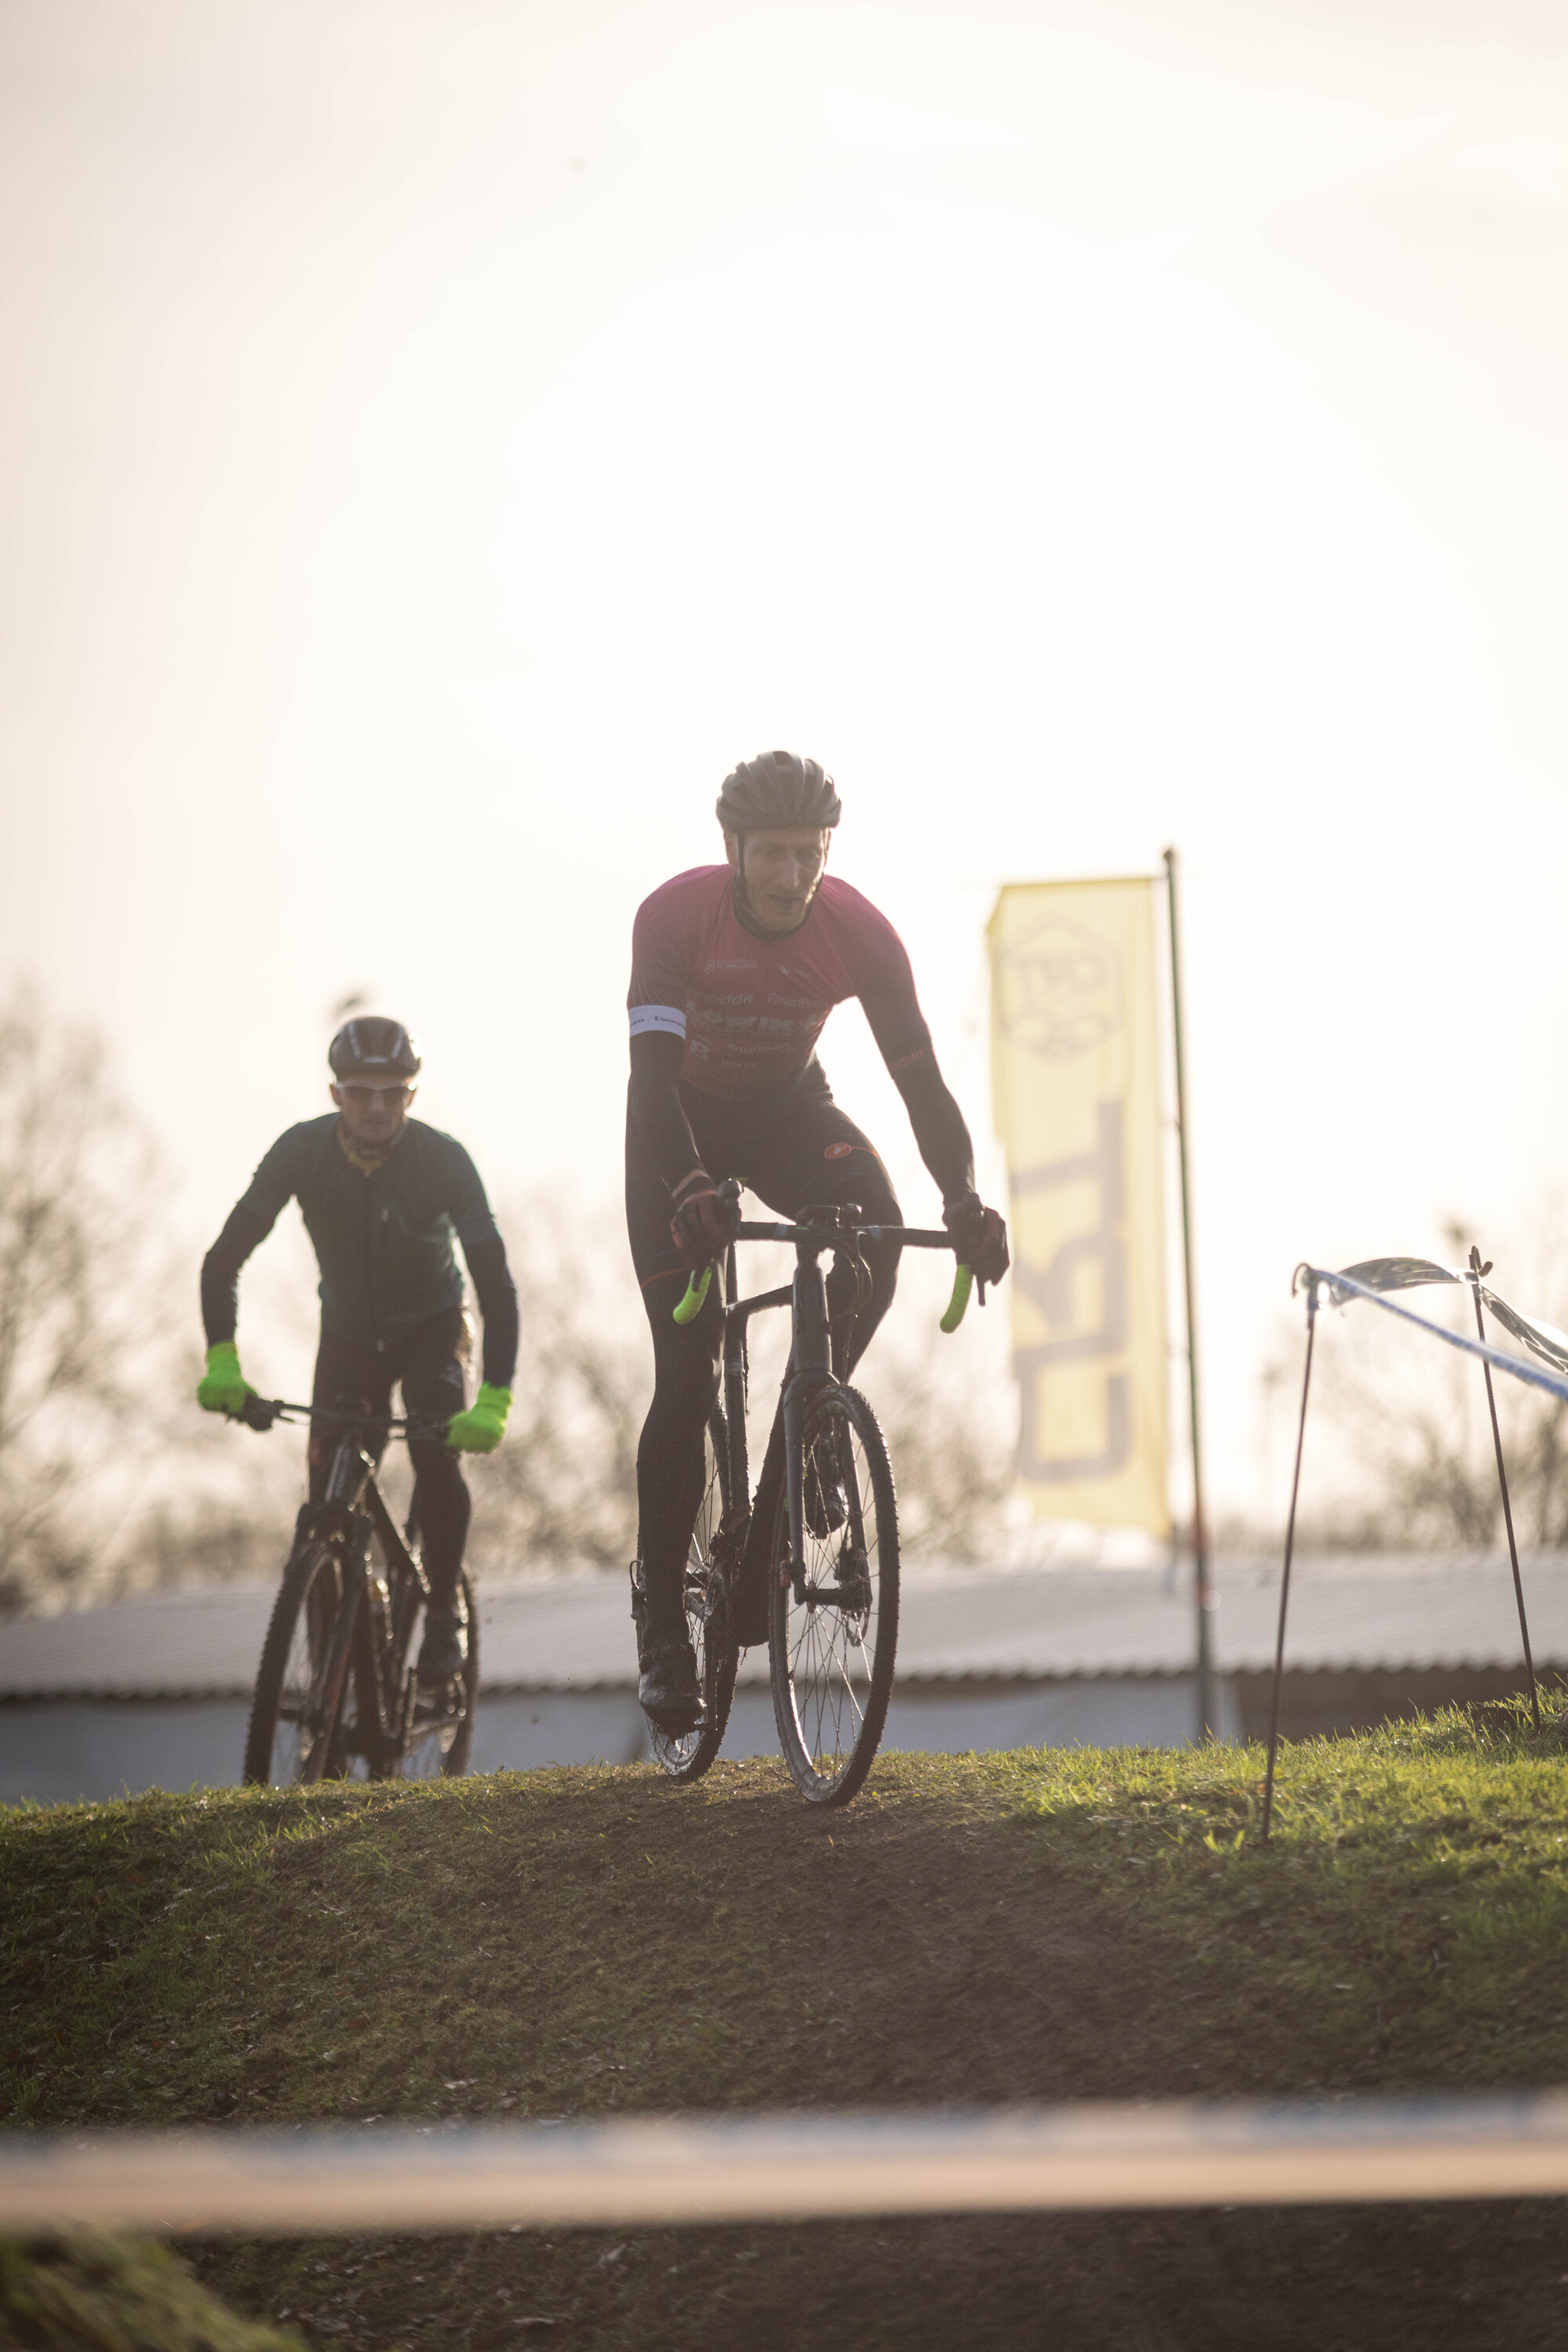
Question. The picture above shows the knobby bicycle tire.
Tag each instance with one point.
(278, 1751)
(831, 1662)
(684, 1757)
(436, 1754)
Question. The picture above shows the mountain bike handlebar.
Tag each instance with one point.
(835, 1236)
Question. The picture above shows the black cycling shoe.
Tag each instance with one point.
(442, 1653)
(667, 1688)
(827, 1505)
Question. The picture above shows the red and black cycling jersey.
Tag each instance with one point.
(750, 1009)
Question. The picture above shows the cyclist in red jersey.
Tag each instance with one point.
(735, 969)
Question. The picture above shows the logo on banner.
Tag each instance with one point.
(1061, 992)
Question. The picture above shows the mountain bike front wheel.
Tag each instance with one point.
(296, 1713)
(685, 1755)
(831, 1643)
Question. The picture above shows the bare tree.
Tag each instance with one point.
(1417, 1470)
(562, 1491)
(78, 1228)
(949, 1414)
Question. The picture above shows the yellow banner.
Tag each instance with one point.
(1075, 1075)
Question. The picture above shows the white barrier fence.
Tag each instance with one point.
(315, 2180)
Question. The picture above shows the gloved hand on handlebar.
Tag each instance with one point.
(481, 1428)
(703, 1224)
(224, 1388)
(980, 1236)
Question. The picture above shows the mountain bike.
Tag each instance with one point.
(336, 1696)
(833, 1556)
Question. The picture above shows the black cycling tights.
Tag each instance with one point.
(792, 1147)
(425, 1361)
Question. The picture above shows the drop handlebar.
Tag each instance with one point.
(834, 1237)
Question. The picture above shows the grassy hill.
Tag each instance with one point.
(1031, 1926)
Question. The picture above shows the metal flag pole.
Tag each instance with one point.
(1202, 1588)
(1289, 1555)
(1476, 1270)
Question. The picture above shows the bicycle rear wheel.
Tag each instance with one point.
(295, 1731)
(830, 1649)
(685, 1756)
(441, 1730)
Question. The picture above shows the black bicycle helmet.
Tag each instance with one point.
(374, 1049)
(777, 788)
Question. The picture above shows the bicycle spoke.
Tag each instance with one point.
(833, 1649)
(440, 1730)
(685, 1756)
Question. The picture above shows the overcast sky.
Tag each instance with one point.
(440, 438)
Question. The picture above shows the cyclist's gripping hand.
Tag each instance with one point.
(980, 1236)
(703, 1225)
(480, 1429)
(224, 1388)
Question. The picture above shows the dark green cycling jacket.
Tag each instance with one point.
(383, 1242)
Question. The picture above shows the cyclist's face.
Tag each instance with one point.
(373, 1109)
(783, 870)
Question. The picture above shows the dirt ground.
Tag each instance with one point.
(583, 1943)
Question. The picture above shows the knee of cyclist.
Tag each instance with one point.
(690, 1387)
(698, 1401)
(437, 1462)
(882, 1260)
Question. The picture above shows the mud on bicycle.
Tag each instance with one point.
(833, 1556)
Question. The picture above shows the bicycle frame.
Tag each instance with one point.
(351, 1511)
(810, 1366)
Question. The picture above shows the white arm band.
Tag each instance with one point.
(668, 1020)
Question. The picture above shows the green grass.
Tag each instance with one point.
(1038, 1926)
(97, 2295)
(1406, 1924)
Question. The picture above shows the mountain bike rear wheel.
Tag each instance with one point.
(830, 1647)
(685, 1756)
(441, 1732)
(296, 1720)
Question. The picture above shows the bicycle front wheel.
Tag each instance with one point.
(296, 1712)
(685, 1756)
(831, 1643)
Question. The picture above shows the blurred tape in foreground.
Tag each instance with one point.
(649, 2169)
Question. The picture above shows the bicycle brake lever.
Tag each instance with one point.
(260, 1412)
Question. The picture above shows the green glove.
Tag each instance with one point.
(480, 1430)
(225, 1389)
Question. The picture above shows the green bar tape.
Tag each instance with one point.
(963, 1284)
(690, 1306)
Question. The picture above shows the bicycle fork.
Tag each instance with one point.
(810, 1370)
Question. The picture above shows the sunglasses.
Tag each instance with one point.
(365, 1091)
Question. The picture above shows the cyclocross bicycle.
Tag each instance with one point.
(832, 1560)
(336, 1696)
